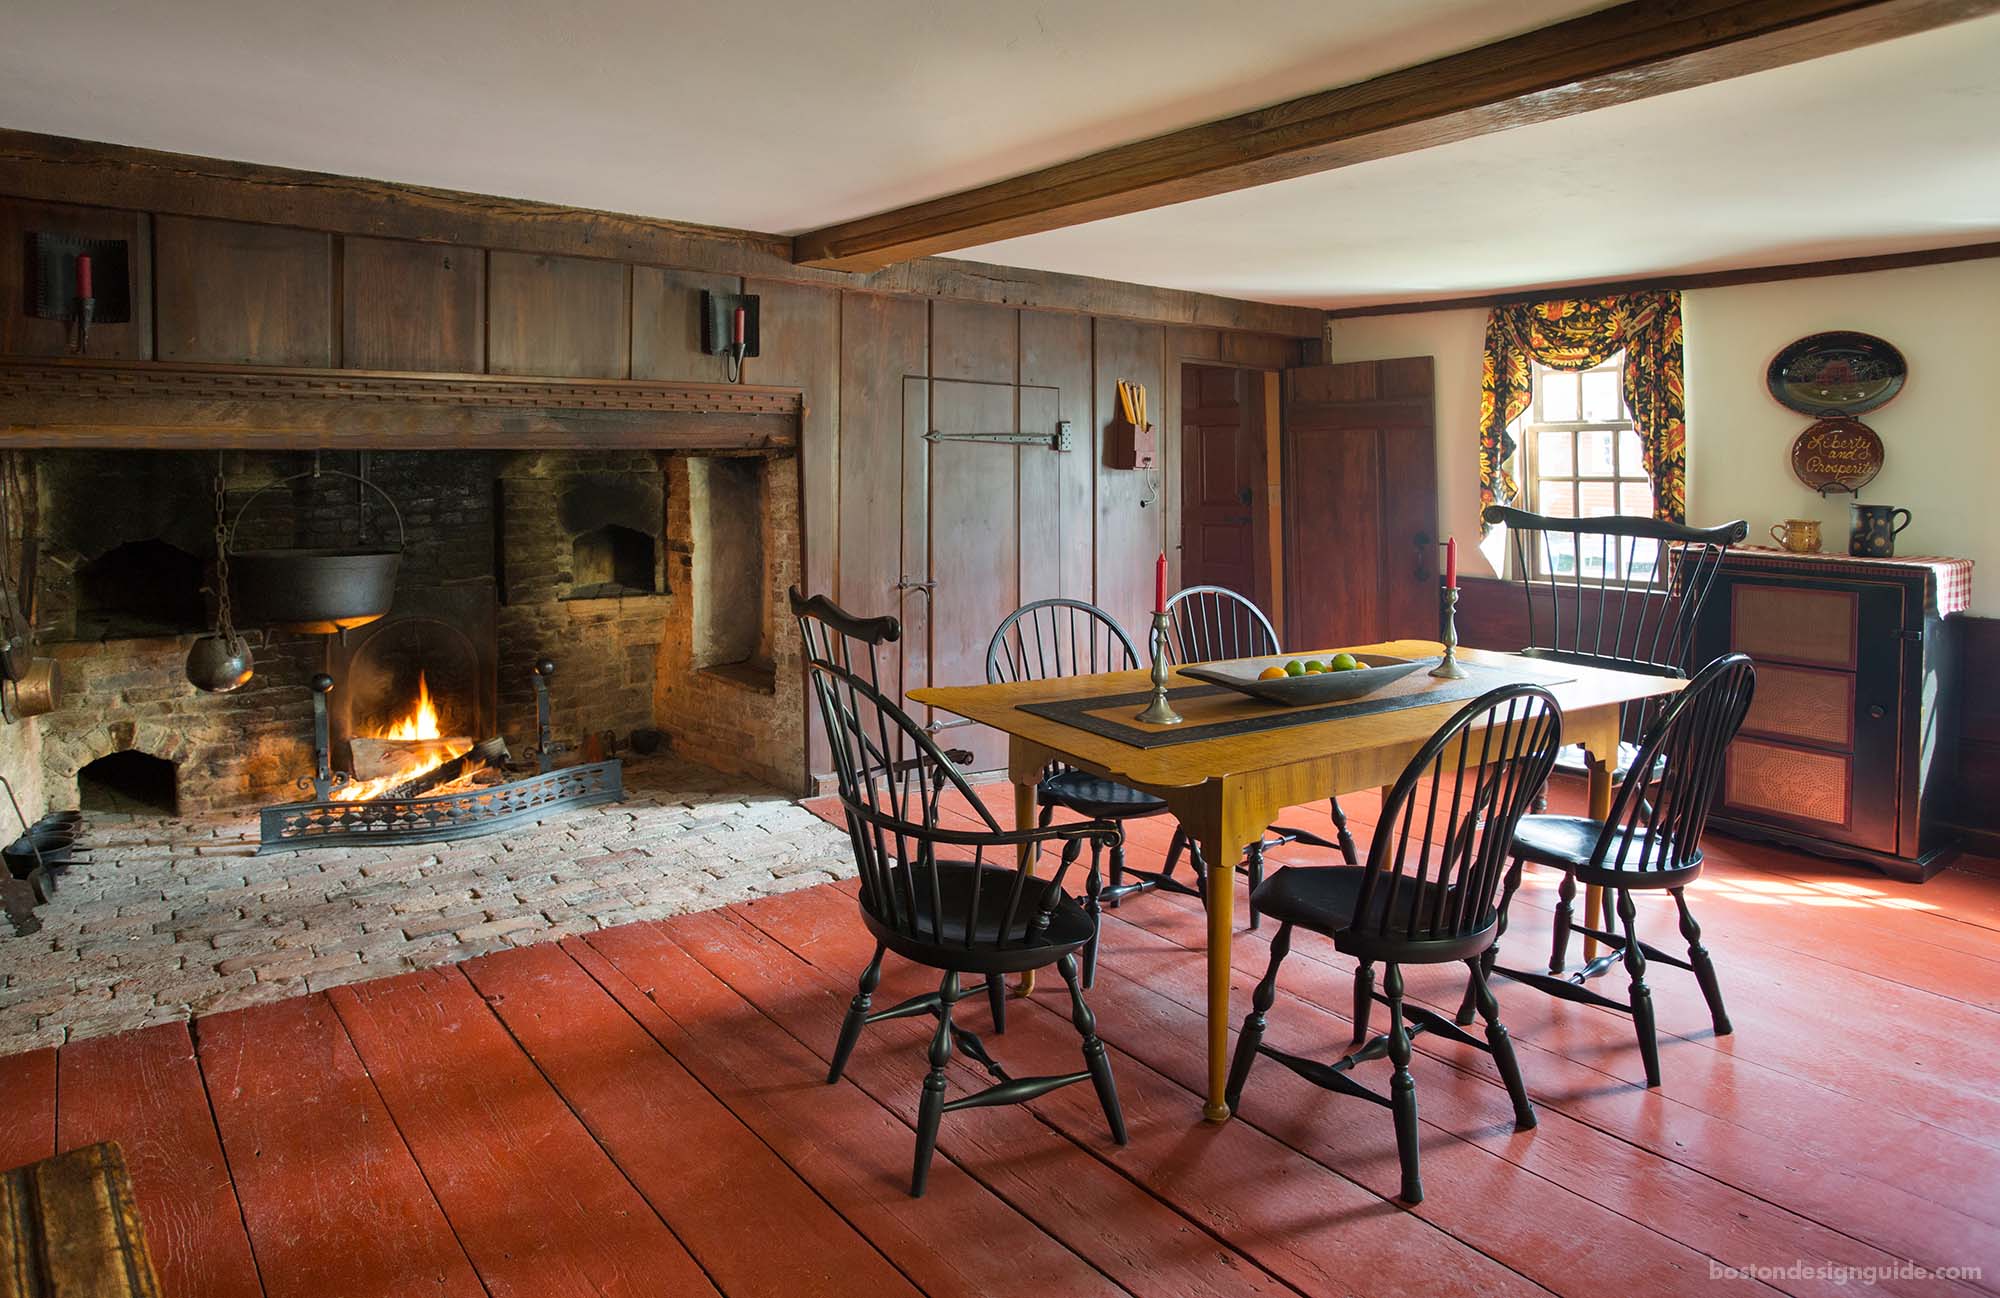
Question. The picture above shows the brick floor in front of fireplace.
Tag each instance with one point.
(177, 917)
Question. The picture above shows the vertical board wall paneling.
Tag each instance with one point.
(1131, 503)
(1055, 354)
(561, 317)
(412, 306)
(972, 522)
(883, 343)
(238, 294)
(666, 324)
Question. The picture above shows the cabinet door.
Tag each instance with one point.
(1819, 753)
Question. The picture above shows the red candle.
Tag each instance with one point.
(1451, 563)
(83, 277)
(1160, 584)
(737, 326)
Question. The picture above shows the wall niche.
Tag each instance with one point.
(727, 524)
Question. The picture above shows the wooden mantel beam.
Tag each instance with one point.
(1629, 52)
(74, 402)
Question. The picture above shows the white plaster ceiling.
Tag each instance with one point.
(771, 115)
(784, 115)
(1891, 148)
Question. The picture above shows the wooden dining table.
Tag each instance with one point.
(1227, 789)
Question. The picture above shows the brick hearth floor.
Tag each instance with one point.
(177, 917)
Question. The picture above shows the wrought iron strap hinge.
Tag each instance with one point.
(1060, 440)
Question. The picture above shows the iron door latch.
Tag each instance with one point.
(1060, 440)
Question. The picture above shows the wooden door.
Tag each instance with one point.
(966, 562)
(1360, 474)
(1222, 480)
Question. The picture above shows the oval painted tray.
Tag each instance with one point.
(1240, 674)
(1837, 373)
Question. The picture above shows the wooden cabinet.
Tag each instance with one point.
(1847, 748)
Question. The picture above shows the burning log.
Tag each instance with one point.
(488, 752)
(377, 758)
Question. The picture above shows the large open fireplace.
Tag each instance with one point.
(606, 569)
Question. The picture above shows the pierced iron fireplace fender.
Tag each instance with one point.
(398, 818)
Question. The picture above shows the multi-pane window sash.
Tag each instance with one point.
(1582, 458)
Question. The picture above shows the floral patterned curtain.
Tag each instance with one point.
(1575, 334)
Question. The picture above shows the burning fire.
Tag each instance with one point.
(420, 725)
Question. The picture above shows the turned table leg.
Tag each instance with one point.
(1600, 810)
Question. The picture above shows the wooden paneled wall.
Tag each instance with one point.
(237, 293)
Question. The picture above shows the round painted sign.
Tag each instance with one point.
(1837, 373)
(1837, 454)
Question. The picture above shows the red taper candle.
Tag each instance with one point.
(1451, 563)
(738, 326)
(1160, 584)
(83, 287)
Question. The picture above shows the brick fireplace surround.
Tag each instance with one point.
(663, 645)
(654, 580)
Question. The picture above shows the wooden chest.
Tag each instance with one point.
(1847, 750)
(69, 1229)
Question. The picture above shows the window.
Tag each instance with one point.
(1581, 458)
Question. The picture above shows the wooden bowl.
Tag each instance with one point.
(1240, 674)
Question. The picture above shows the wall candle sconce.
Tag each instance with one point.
(729, 328)
(80, 281)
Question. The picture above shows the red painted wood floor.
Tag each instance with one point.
(641, 1112)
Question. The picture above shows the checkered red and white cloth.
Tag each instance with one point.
(1953, 576)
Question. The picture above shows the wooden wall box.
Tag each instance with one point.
(1127, 446)
(1848, 748)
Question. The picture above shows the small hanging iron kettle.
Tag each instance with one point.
(218, 664)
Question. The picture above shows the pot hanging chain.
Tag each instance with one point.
(221, 660)
(225, 623)
(11, 606)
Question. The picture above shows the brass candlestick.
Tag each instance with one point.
(1448, 668)
(1159, 712)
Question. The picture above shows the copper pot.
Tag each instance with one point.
(38, 690)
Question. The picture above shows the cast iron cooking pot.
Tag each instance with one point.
(318, 591)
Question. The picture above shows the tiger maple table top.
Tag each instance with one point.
(1589, 698)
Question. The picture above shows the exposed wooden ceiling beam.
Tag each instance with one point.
(1632, 51)
(1694, 279)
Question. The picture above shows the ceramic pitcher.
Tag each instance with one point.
(1873, 535)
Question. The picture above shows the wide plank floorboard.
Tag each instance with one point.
(1298, 1219)
(537, 1204)
(644, 1111)
(334, 1201)
(959, 1240)
(724, 1192)
(145, 1090)
(28, 1080)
